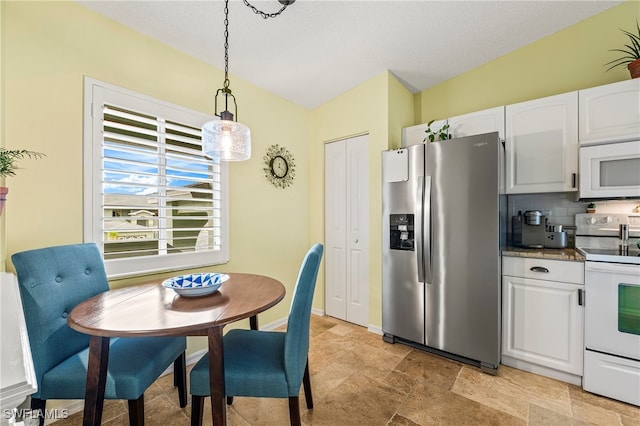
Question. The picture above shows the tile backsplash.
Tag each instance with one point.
(561, 208)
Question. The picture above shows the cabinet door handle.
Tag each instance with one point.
(573, 180)
(538, 269)
(580, 297)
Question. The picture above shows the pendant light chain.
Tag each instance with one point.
(226, 45)
(266, 15)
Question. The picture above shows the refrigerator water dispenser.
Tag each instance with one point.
(401, 232)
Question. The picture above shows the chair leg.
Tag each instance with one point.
(39, 404)
(197, 410)
(294, 411)
(180, 378)
(306, 381)
(136, 411)
(229, 400)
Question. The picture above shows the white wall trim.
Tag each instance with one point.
(374, 329)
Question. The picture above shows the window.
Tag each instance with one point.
(152, 200)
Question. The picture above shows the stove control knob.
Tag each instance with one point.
(590, 220)
(607, 219)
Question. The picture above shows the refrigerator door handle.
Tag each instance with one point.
(418, 232)
(426, 231)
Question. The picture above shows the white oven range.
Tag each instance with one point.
(612, 305)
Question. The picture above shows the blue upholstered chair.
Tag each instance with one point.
(267, 364)
(52, 282)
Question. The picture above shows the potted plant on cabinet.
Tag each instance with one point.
(8, 167)
(631, 57)
(591, 208)
(440, 134)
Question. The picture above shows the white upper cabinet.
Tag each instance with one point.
(477, 123)
(610, 113)
(542, 145)
(414, 135)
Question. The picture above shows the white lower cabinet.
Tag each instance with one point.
(543, 318)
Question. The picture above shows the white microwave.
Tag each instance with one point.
(610, 171)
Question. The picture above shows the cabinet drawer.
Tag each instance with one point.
(543, 269)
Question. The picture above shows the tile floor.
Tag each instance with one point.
(357, 379)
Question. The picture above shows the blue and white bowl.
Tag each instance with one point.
(194, 285)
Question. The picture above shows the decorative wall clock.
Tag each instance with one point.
(279, 166)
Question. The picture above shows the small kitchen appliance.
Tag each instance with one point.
(610, 171)
(555, 237)
(612, 304)
(528, 229)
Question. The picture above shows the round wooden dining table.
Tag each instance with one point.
(153, 310)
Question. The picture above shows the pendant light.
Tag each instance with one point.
(226, 139)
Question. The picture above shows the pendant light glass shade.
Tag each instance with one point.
(226, 140)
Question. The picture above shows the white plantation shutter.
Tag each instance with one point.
(153, 200)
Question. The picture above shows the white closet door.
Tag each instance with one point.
(335, 219)
(347, 229)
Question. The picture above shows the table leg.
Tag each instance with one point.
(253, 322)
(96, 380)
(216, 377)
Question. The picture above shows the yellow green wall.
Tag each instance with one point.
(380, 107)
(3, 222)
(568, 60)
(48, 47)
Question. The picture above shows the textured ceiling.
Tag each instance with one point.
(317, 49)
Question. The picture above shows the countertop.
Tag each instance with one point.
(544, 253)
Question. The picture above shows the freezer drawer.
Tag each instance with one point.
(611, 376)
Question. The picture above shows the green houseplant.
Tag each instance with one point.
(440, 134)
(8, 166)
(631, 57)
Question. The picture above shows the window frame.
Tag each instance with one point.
(96, 93)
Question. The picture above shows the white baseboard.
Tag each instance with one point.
(374, 329)
(542, 370)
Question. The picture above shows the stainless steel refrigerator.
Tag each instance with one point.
(442, 235)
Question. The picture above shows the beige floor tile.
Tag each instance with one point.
(400, 381)
(478, 386)
(629, 421)
(579, 395)
(431, 368)
(327, 379)
(340, 330)
(539, 390)
(369, 361)
(595, 415)
(429, 404)
(398, 420)
(162, 411)
(358, 400)
(264, 411)
(539, 416)
(319, 327)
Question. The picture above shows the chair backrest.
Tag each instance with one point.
(52, 282)
(296, 346)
